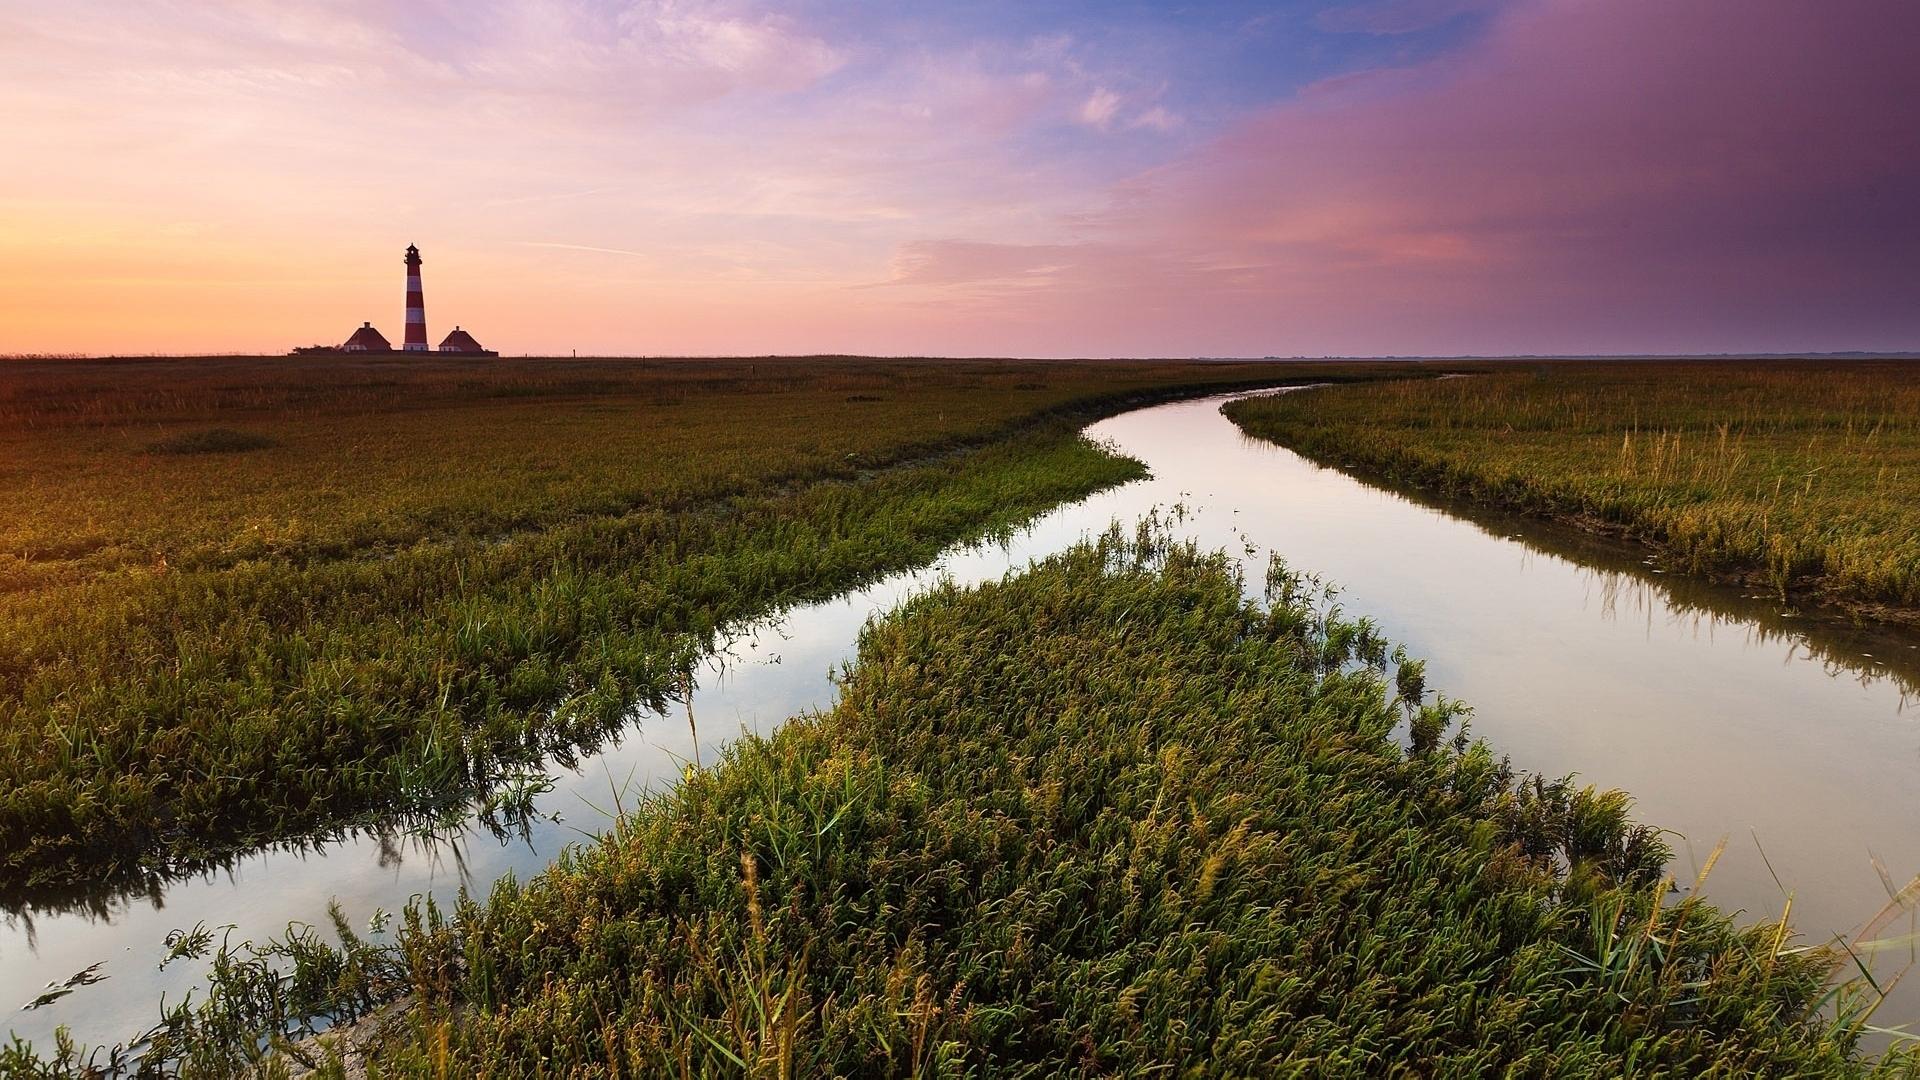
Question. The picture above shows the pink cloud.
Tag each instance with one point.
(1157, 118)
(1100, 108)
(1635, 175)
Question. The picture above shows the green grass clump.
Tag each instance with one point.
(444, 570)
(1799, 477)
(1101, 818)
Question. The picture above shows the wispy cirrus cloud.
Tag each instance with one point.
(557, 246)
(974, 263)
(1158, 118)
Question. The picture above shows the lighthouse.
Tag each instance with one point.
(416, 305)
(367, 340)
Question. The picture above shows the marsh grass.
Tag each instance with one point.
(1103, 817)
(158, 727)
(446, 572)
(1801, 477)
(376, 455)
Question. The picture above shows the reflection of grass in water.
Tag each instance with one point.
(1863, 653)
(1803, 475)
(446, 570)
(1840, 653)
(1102, 816)
(505, 807)
(1844, 645)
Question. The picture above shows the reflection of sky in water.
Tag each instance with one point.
(1714, 713)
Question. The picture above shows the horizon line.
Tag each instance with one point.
(1850, 354)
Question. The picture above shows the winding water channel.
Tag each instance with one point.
(1722, 715)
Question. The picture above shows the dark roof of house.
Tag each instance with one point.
(461, 341)
(369, 339)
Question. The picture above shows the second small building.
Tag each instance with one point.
(462, 342)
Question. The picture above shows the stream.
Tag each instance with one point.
(1789, 735)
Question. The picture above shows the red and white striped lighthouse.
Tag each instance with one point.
(416, 305)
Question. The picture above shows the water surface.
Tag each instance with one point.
(1724, 716)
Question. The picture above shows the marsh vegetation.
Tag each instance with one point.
(1107, 816)
(390, 583)
(1800, 478)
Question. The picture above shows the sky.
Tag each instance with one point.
(1008, 177)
